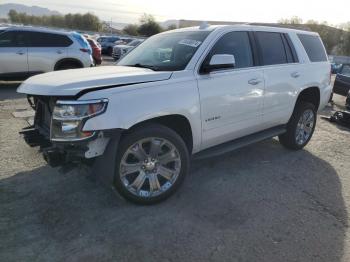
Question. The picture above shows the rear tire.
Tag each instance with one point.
(152, 162)
(66, 66)
(300, 127)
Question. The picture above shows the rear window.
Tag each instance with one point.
(271, 48)
(313, 47)
(39, 39)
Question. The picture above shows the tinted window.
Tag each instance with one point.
(271, 48)
(345, 70)
(313, 47)
(237, 44)
(38, 39)
(12, 39)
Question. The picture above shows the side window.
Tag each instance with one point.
(313, 47)
(12, 39)
(271, 48)
(237, 44)
(345, 70)
(38, 39)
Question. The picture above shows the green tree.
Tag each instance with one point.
(148, 26)
(294, 20)
(86, 21)
(131, 29)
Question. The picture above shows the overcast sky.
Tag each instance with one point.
(129, 11)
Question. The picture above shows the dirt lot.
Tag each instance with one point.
(260, 203)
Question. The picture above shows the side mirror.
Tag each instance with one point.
(220, 61)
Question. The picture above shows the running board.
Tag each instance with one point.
(240, 142)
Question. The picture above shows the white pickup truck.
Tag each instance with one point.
(194, 92)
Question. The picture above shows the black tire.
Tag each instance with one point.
(289, 139)
(145, 132)
(110, 51)
(66, 66)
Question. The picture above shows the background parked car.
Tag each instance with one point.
(26, 51)
(96, 51)
(107, 43)
(120, 50)
(123, 41)
(342, 81)
(335, 68)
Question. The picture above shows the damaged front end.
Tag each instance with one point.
(58, 130)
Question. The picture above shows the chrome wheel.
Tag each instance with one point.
(150, 167)
(305, 127)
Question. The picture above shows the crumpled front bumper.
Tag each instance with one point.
(61, 153)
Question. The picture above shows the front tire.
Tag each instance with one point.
(152, 162)
(300, 127)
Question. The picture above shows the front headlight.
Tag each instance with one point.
(68, 118)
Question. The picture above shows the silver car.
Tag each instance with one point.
(120, 50)
(26, 51)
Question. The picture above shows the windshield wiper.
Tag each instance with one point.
(154, 68)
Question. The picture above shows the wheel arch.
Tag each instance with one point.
(310, 94)
(177, 122)
(68, 60)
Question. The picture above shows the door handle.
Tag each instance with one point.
(59, 52)
(254, 81)
(295, 74)
(20, 53)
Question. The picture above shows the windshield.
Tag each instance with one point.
(166, 52)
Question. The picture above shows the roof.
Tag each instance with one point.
(242, 26)
(38, 29)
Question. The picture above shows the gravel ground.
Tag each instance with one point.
(259, 203)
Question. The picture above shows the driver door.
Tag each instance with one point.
(231, 99)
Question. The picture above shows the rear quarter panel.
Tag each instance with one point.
(314, 74)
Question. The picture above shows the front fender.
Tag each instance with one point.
(128, 108)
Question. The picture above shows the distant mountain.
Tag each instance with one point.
(167, 23)
(30, 10)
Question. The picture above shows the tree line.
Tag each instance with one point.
(88, 21)
(335, 38)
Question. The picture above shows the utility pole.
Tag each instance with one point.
(111, 25)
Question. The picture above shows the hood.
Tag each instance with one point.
(72, 82)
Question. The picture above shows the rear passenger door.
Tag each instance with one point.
(45, 50)
(13, 54)
(282, 78)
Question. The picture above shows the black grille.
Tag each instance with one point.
(43, 112)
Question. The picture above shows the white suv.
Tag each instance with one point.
(190, 92)
(26, 51)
